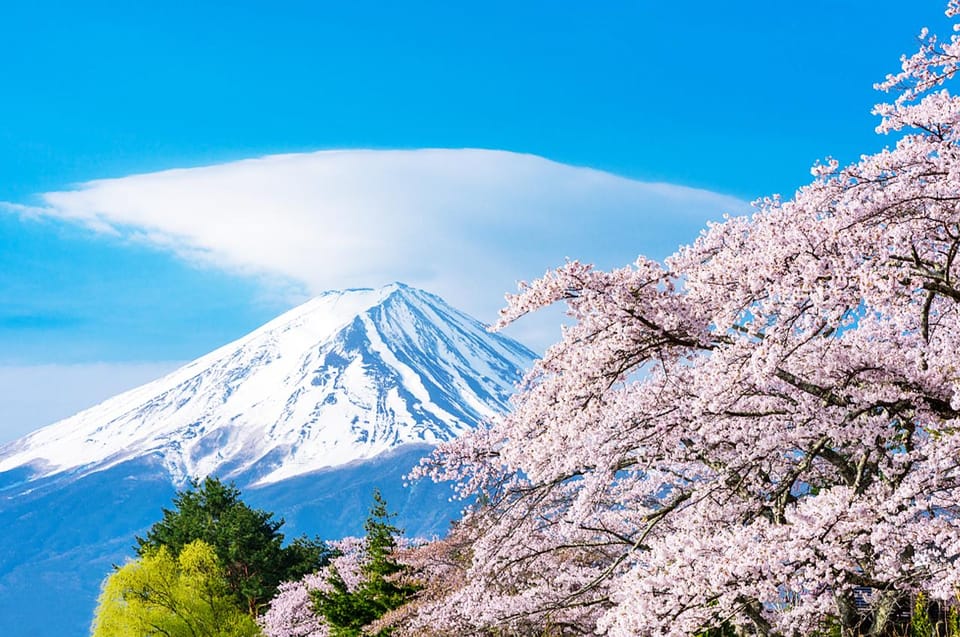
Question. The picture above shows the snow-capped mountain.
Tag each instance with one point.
(343, 377)
(307, 415)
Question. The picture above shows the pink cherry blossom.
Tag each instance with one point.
(291, 611)
(757, 432)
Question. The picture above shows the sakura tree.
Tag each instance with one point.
(434, 569)
(292, 612)
(757, 434)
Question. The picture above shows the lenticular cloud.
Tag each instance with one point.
(464, 223)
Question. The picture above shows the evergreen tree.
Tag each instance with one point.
(380, 590)
(247, 541)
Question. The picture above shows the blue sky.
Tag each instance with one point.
(107, 280)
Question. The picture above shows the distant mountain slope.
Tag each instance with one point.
(307, 414)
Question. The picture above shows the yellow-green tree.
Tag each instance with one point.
(185, 595)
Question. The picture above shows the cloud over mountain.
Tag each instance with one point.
(466, 223)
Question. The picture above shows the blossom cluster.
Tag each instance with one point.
(751, 432)
(291, 612)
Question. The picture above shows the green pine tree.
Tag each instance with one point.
(380, 591)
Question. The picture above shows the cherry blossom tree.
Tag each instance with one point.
(292, 613)
(761, 433)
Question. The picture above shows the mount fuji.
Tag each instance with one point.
(306, 414)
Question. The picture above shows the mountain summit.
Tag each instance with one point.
(344, 377)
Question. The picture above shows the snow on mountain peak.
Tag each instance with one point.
(345, 376)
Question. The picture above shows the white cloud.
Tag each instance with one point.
(465, 224)
(38, 395)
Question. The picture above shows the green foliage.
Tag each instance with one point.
(346, 612)
(953, 622)
(920, 624)
(247, 541)
(159, 594)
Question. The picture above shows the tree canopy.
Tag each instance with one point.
(761, 432)
(247, 541)
(183, 595)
